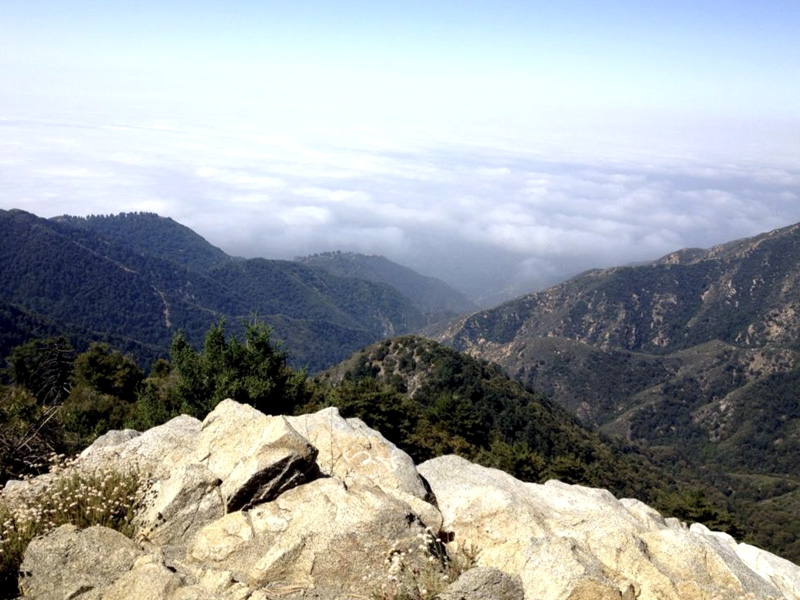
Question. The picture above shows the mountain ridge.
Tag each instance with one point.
(699, 278)
(433, 296)
(124, 276)
(149, 233)
(693, 355)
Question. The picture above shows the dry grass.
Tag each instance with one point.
(421, 572)
(68, 496)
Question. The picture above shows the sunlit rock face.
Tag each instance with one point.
(242, 505)
(568, 541)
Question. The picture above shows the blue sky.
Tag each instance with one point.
(413, 129)
(735, 59)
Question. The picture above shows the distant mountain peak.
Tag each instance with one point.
(433, 296)
(154, 235)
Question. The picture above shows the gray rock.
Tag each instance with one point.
(484, 583)
(236, 458)
(356, 454)
(349, 450)
(175, 508)
(72, 563)
(147, 580)
(780, 572)
(257, 457)
(114, 438)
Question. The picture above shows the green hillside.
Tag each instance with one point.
(131, 286)
(433, 400)
(160, 237)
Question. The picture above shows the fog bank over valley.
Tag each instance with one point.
(492, 220)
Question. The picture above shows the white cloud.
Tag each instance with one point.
(73, 172)
(493, 172)
(247, 199)
(477, 215)
(356, 197)
(241, 180)
(305, 216)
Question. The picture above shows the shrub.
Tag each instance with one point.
(68, 496)
(253, 371)
(28, 433)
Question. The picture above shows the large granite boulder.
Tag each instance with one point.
(780, 572)
(234, 459)
(72, 563)
(242, 506)
(322, 533)
(156, 452)
(355, 454)
(177, 506)
(255, 456)
(243, 502)
(100, 564)
(574, 542)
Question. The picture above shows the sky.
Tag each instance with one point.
(501, 146)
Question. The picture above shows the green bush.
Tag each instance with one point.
(253, 371)
(43, 367)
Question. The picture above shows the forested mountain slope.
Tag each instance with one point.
(137, 284)
(160, 237)
(433, 400)
(19, 325)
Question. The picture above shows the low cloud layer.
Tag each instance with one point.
(490, 220)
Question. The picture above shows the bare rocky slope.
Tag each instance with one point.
(695, 355)
(245, 506)
(743, 293)
(620, 331)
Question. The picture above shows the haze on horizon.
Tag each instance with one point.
(498, 145)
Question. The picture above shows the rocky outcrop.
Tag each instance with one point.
(355, 454)
(256, 457)
(245, 506)
(484, 583)
(322, 533)
(573, 542)
(242, 501)
(780, 572)
(157, 452)
(69, 563)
